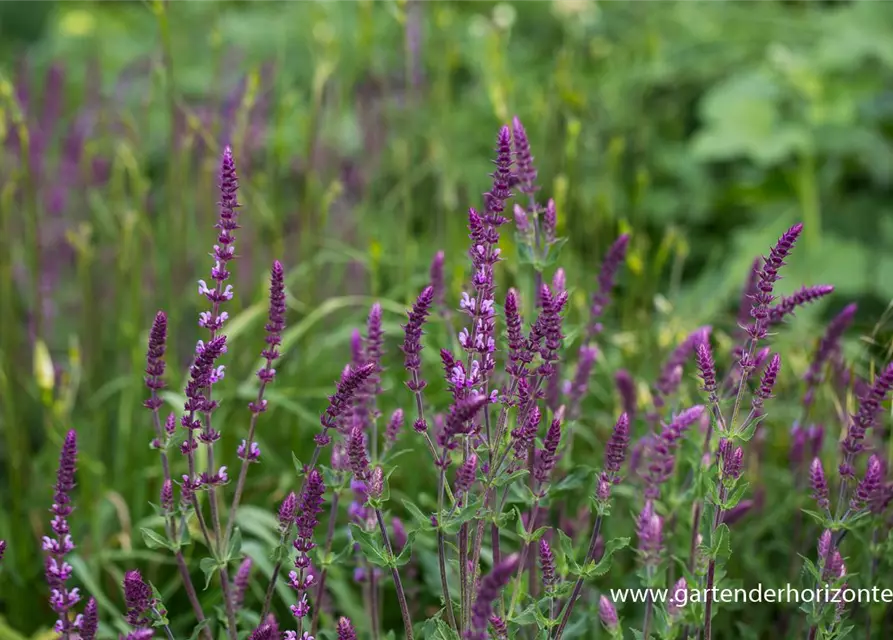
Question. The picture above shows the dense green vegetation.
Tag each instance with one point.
(363, 132)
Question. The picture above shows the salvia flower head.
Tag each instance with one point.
(340, 401)
(550, 221)
(650, 528)
(522, 224)
(606, 277)
(90, 621)
(376, 482)
(240, 582)
(60, 544)
(580, 384)
(803, 296)
(548, 455)
(525, 170)
(547, 564)
(500, 629)
(356, 451)
(828, 346)
(225, 249)
(869, 407)
(731, 458)
(763, 296)
(488, 590)
(395, 425)
(662, 454)
(345, 629)
(869, 485)
(608, 614)
(824, 544)
(155, 359)
(287, 510)
(138, 598)
(466, 475)
(626, 388)
(412, 342)
(274, 328)
(819, 484)
(767, 382)
(706, 366)
(615, 450)
(670, 375)
(2, 548)
(678, 597)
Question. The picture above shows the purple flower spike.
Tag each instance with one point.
(547, 564)
(649, 528)
(615, 450)
(626, 388)
(499, 627)
(225, 250)
(356, 451)
(763, 298)
(266, 631)
(488, 590)
(307, 518)
(521, 221)
(545, 462)
(412, 343)
(519, 355)
(732, 459)
(669, 377)
(2, 548)
(828, 346)
(345, 629)
(767, 382)
(525, 170)
(662, 459)
(494, 200)
(550, 221)
(90, 621)
(466, 475)
(869, 408)
(350, 383)
(748, 292)
(869, 485)
(819, 484)
(706, 366)
(274, 328)
(608, 614)
(580, 383)
(155, 360)
(57, 570)
(678, 597)
(395, 425)
(788, 304)
(606, 277)
(374, 349)
(240, 583)
(287, 511)
(138, 599)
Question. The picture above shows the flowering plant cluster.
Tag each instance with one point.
(512, 560)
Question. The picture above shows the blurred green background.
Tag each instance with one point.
(362, 132)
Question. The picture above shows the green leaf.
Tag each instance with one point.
(464, 514)
(197, 629)
(567, 549)
(155, 540)
(720, 543)
(818, 517)
(370, 546)
(576, 479)
(423, 520)
(235, 545)
(736, 496)
(209, 567)
(299, 466)
(405, 554)
(604, 564)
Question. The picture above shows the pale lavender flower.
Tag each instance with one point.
(869, 408)
(606, 277)
(670, 375)
(626, 388)
(241, 581)
(608, 614)
(827, 347)
(819, 484)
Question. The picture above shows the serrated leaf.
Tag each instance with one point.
(567, 549)
(209, 567)
(155, 540)
(370, 547)
(604, 563)
(720, 543)
(736, 496)
(462, 516)
(405, 554)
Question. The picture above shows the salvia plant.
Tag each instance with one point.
(514, 556)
